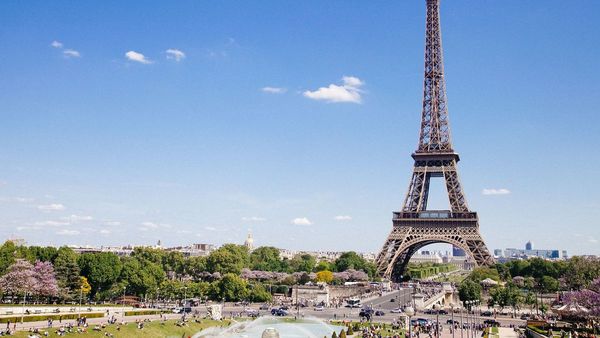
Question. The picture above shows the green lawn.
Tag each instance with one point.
(156, 329)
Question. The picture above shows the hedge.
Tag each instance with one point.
(144, 312)
(37, 318)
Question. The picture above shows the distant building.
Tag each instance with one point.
(426, 257)
(458, 252)
(249, 243)
(529, 246)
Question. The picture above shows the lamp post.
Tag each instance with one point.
(468, 318)
(123, 302)
(452, 314)
(462, 325)
(23, 307)
(80, 297)
(437, 308)
(409, 311)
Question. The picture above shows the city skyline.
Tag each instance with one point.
(183, 126)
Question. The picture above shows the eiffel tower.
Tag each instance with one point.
(415, 226)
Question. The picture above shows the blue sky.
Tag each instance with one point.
(197, 121)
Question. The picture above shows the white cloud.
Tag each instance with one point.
(274, 90)
(137, 57)
(175, 54)
(77, 218)
(349, 91)
(71, 53)
(52, 207)
(343, 218)
(210, 228)
(22, 228)
(500, 191)
(301, 221)
(66, 232)
(150, 225)
(56, 44)
(253, 219)
(51, 223)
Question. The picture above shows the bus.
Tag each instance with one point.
(353, 303)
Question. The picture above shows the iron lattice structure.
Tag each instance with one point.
(416, 226)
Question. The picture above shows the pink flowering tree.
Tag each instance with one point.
(45, 279)
(19, 278)
(589, 298)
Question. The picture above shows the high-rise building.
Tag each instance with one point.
(458, 252)
(529, 245)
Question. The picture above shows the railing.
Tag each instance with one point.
(435, 214)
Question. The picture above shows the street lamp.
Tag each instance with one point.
(468, 318)
(123, 302)
(409, 311)
(80, 297)
(437, 309)
(23, 307)
(461, 320)
(452, 314)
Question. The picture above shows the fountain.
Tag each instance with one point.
(273, 327)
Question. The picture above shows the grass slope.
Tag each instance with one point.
(155, 329)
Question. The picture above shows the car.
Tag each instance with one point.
(251, 312)
(379, 313)
(487, 313)
(396, 310)
(366, 312)
(423, 321)
(278, 312)
(319, 308)
(491, 322)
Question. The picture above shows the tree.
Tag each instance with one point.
(229, 258)
(84, 286)
(258, 293)
(173, 261)
(351, 260)
(43, 253)
(484, 272)
(7, 255)
(230, 288)
(67, 272)
(101, 269)
(302, 263)
(45, 279)
(19, 278)
(325, 276)
(324, 265)
(548, 284)
(141, 278)
(508, 296)
(195, 266)
(265, 258)
(469, 290)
